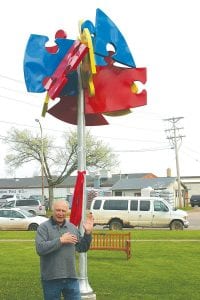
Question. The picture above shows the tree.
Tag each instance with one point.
(58, 162)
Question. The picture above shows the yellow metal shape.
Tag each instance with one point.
(88, 67)
(45, 105)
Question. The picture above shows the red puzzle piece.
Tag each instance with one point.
(66, 111)
(113, 90)
(70, 62)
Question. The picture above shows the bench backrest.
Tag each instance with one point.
(110, 240)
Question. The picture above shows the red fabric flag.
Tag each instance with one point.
(77, 203)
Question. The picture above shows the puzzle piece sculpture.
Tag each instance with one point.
(108, 89)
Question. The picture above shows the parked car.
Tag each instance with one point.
(31, 205)
(2, 202)
(119, 212)
(195, 200)
(12, 196)
(17, 219)
(5, 197)
(39, 197)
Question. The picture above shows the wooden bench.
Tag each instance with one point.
(112, 241)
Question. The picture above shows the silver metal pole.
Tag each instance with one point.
(86, 290)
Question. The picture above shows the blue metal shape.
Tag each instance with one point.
(106, 32)
(40, 63)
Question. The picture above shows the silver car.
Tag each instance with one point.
(18, 219)
(31, 205)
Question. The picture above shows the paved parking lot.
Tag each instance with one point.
(194, 218)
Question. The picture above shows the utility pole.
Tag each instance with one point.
(175, 137)
(42, 158)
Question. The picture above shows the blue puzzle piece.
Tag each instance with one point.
(106, 32)
(39, 63)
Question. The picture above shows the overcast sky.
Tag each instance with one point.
(163, 36)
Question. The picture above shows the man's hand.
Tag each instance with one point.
(88, 224)
(68, 238)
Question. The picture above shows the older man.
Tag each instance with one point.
(56, 243)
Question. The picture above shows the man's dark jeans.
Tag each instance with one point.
(69, 288)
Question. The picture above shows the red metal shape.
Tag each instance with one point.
(113, 90)
(66, 111)
(70, 62)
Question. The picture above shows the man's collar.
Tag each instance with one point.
(53, 222)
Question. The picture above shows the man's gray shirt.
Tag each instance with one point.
(58, 260)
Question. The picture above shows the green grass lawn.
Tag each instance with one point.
(164, 265)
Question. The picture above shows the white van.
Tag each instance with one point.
(119, 212)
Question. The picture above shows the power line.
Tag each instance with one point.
(142, 150)
(127, 139)
(18, 92)
(190, 156)
(192, 150)
(25, 125)
(20, 101)
(12, 79)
